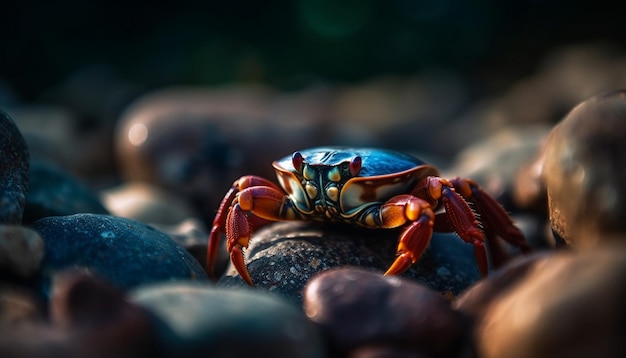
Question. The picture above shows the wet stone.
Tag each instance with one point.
(192, 235)
(21, 250)
(356, 307)
(199, 320)
(583, 168)
(14, 170)
(124, 252)
(569, 304)
(54, 192)
(284, 256)
(474, 301)
(146, 203)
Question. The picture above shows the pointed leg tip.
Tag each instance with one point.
(236, 257)
(400, 265)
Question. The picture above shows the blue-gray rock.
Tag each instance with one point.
(14, 170)
(125, 252)
(54, 192)
(200, 320)
(282, 257)
(356, 308)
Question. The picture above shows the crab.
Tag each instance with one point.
(368, 187)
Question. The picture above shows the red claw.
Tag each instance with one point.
(236, 257)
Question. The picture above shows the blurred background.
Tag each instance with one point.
(191, 95)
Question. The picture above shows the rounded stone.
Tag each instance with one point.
(283, 256)
(474, 301)
(203, 321)
(567, 305)
(355, 307)
(53, 192)
(146, 203)
(21, 250)
(584, 171)
(14, 171)
(124, 252)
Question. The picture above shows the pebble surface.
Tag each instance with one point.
(284, 256)
(357, 307)
(202, 320)
(125, 252)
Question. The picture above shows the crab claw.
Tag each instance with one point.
(413, 242)
(237, 238)
(236, 257)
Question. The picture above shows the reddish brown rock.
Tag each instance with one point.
(356, 307)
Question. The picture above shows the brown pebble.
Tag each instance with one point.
(585, 174)
(356, 307)
(568, 305)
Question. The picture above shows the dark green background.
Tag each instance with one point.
(288, 44)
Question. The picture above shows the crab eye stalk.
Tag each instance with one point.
(297, 161)
(355, 166)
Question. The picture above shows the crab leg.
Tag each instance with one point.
(458, 214)
(221, 217)
(494, 217)
(396, 212)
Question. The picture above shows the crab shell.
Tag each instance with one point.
(382, 175)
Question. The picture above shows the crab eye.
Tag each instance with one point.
(355, 166)
(297, 161)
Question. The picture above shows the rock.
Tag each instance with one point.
(193, 236)
(125, 252)
(495, 161)
(21, 250)
(474, 301)
(98, 319)
(196, 142)
(284, 256)
(14, 171)
(378, 351)
(203, 321)
(566, 305)
(54, 192)
(584, 171)
(18, 307)
(88, 318)
(146, 203)
(355, 307)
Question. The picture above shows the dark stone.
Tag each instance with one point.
(199, 320)
(355, 307)
(14, 170)
(125, 252)
(283, 256)
(56, 193)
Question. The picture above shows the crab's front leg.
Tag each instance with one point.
(250, 194)
(414, 239)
